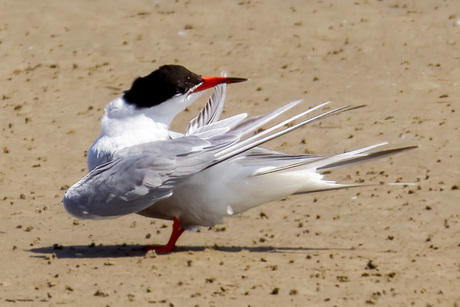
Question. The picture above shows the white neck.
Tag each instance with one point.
(122, 118)
(124, 125)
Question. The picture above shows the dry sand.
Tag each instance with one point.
(62, 61)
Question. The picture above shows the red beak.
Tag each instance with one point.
(209, 82)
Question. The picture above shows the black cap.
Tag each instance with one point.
(161, 85)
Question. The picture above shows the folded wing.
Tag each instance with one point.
(141, 175)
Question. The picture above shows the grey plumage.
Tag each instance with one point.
(141, 175)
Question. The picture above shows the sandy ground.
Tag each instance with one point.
(62, 61)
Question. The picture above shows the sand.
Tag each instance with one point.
(62, 61)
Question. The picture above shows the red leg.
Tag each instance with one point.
(171, 245)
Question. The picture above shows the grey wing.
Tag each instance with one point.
(137, 178)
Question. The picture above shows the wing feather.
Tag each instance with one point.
(211, 111)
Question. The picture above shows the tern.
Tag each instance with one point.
(214, 170)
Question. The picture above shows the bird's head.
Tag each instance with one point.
(170, 89)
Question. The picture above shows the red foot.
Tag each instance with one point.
(171, 245)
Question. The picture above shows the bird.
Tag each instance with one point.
(215, 169)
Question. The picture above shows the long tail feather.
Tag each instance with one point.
(259, 138)
(326, 163)
(368, 156)
(252, 124)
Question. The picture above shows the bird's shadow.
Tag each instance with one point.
(134, 250)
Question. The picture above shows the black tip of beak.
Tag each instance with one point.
(235, 80)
